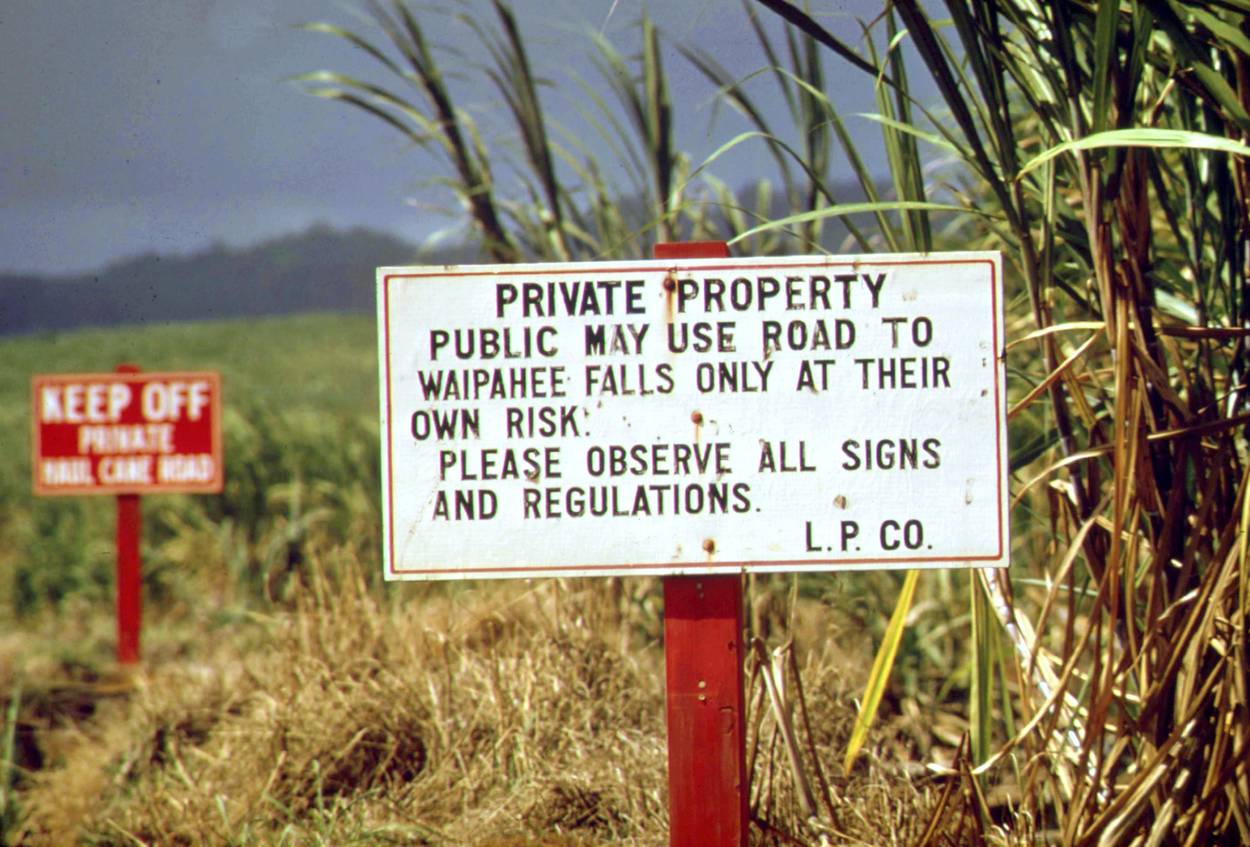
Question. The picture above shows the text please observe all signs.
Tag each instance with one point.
(127, 433)
(802, 413)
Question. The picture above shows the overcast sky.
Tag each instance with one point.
(129, 126)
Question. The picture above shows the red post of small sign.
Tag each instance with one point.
(707, 780)
(129, 570)
(125, 434)
(129, 579)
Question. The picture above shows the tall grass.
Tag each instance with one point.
(1100, 683)
(301, 452)
(534, 189)
(1103, 148)
(489, 716)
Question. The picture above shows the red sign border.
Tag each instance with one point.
(214, 486)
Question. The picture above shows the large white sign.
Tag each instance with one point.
(695, 415)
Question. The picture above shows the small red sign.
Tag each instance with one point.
(127, 433)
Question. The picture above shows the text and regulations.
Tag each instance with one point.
(693, 416)
(127, 433)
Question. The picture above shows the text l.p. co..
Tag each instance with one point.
(118, 433)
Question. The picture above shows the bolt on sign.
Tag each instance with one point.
(693, 416)
(127, 433)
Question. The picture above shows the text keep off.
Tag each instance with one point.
(127, 433)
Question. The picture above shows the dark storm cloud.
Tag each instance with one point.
(161, 125)
(134, 126)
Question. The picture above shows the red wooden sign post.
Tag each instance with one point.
(129, 579)
(129, 570)
(127, 433)
(619, 444)
(707, 780)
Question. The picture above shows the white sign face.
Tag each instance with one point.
(693, 416)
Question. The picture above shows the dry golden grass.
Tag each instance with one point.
(503, 714)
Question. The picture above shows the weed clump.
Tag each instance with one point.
(484, 715)
(440, 721)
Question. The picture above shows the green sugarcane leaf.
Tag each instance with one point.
(844, 209)
(1158, 138)
(1221, 29)
(880, 673)
(1104, 52)
(982, 672)
(910, 129)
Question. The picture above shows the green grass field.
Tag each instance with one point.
(1094, 693)
(300, 414)
(286, 696)
(326, 362)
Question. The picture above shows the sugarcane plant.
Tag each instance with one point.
(1102, 147)
(535, 190)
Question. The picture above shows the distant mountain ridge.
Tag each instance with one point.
(320, 269)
